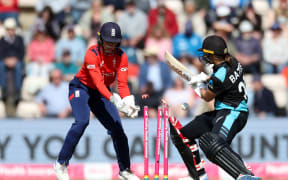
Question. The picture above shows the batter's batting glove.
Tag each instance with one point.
(197, 88)
(195, 79)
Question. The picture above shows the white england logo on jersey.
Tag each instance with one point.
(124, 69)
(91, 66)
(113, 32)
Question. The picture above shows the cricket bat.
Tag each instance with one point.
(177, 66)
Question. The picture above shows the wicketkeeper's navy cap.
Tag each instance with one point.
(110, 32)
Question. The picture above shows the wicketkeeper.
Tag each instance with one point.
(89, 91)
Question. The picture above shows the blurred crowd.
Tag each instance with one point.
(36, 63)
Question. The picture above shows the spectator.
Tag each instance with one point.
(52, 99)
(58, 7)
(244, 3)
(78, 8)
(223, 20)
(133, 23)
(229, 3)
(66, 18)
(118, 5)
(222, 14)
(254, 18)
(281, 16)
(249, 50)
(275, 56)
(46, 16)
(196, 18)
(155, 71)
(175, 6)
(163, 16)
(41, 53)
(9, 9)
(159, 38)
(12, 52)
(75, 45)
(130, 51)
(68, 68)
(264, 103)
(186, 43)
(202, 5)
(177, 95)
(143, 5)
(222, 31)
(92, 19)
(281, 12)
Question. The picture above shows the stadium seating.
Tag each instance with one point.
(27, 109)
(276, 83)
(26, 3)
(31, 86)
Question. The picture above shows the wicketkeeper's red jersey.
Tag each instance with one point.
(99, 71)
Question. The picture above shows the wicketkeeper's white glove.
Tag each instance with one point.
(125, 105)
(132, 109)
(117, 101)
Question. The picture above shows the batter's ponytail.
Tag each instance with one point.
(228, 59)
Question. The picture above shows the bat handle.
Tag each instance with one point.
(186, 75)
